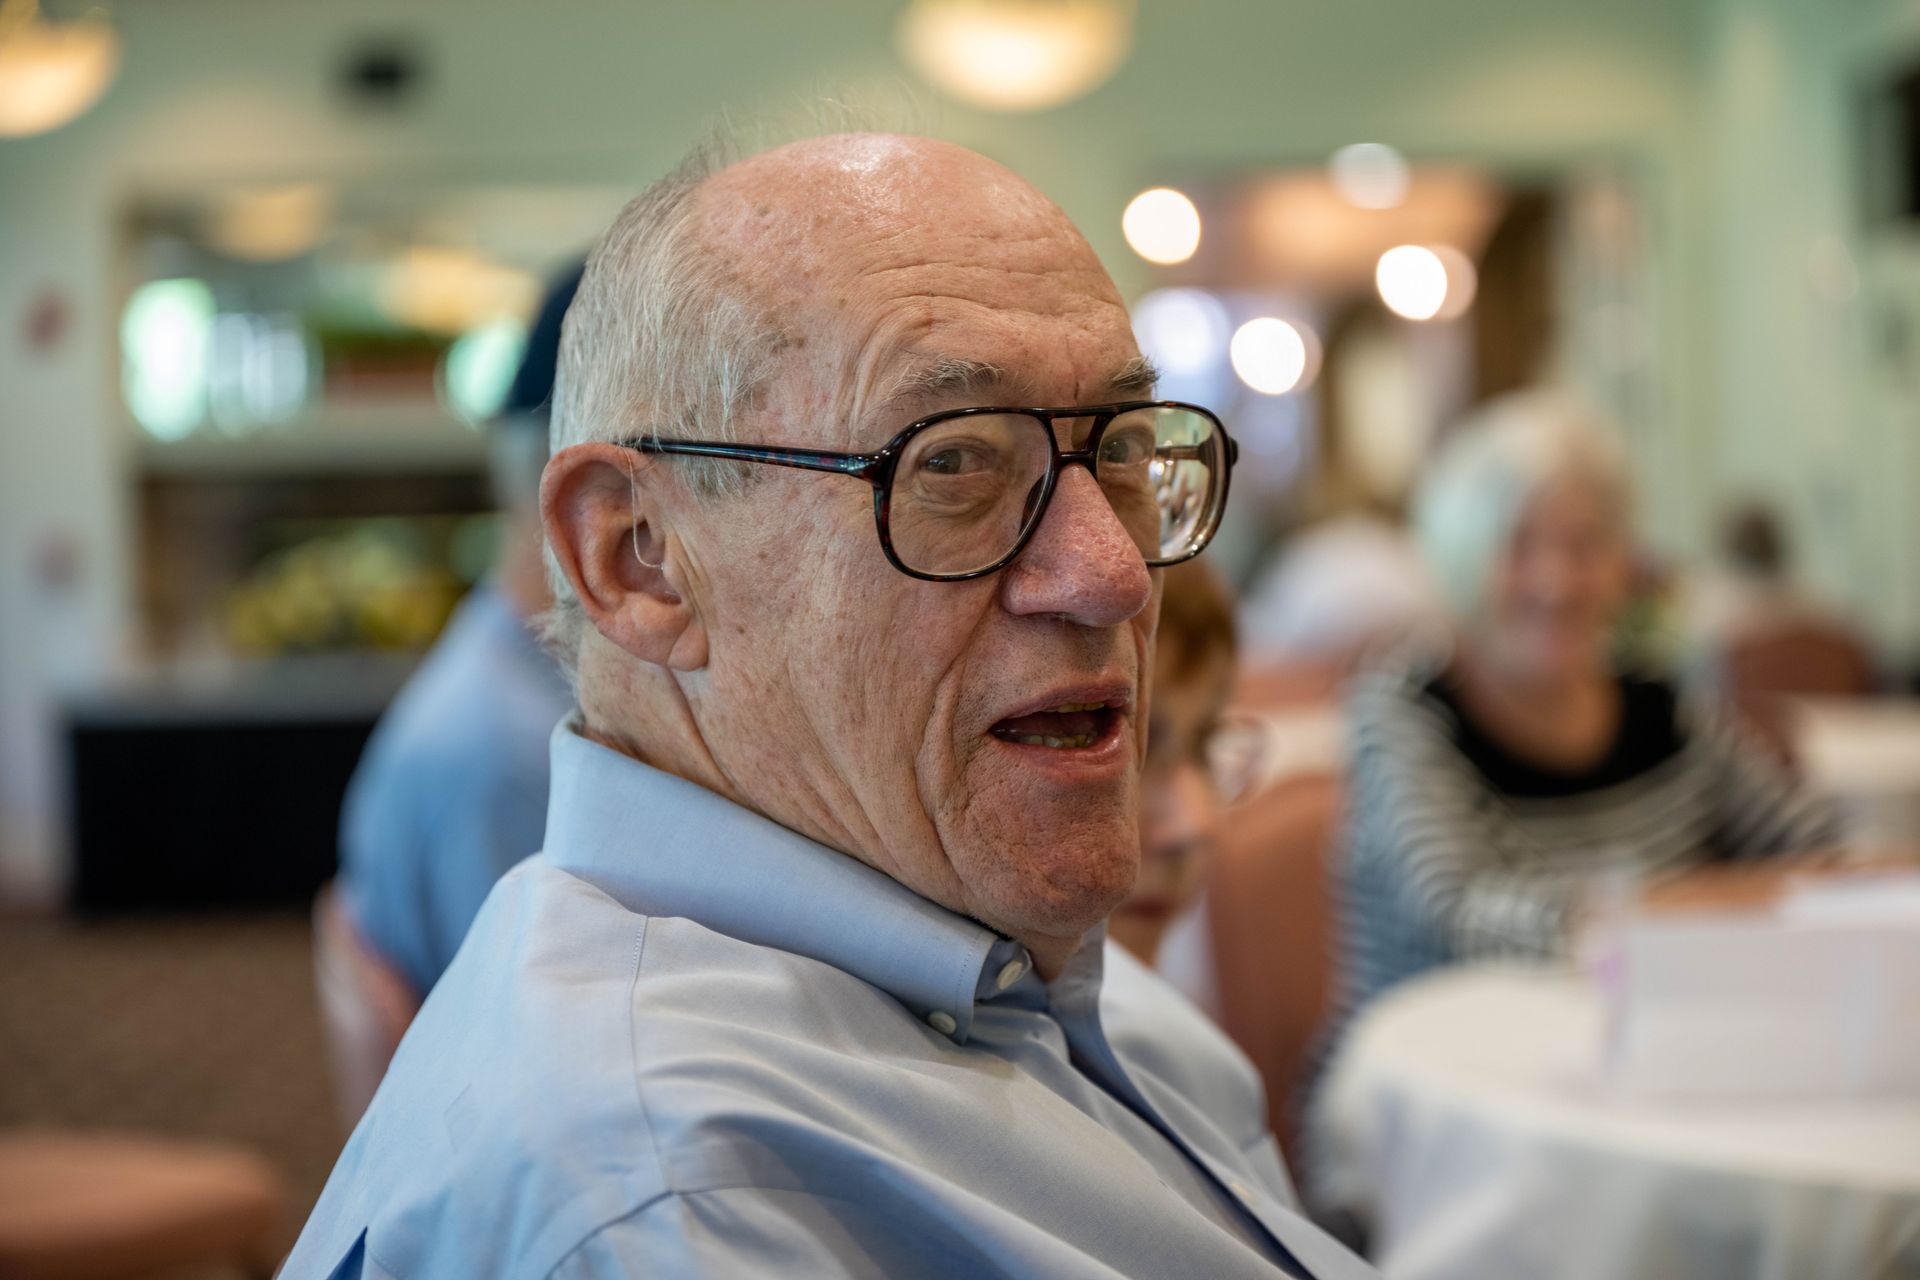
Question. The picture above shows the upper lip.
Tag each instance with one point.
(1116, 694)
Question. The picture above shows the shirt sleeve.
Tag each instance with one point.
(1762, 810)
(1434, 837)
(723, 1234)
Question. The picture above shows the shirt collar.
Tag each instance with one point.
(663, 846)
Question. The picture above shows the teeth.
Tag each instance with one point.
(1047, 740)
(1078, 706)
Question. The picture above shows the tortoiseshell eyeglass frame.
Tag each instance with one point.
(877, 469)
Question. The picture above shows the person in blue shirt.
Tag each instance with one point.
(452, 788)
(856, 514)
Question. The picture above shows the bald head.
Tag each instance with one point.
(877, 242)
(812, 196)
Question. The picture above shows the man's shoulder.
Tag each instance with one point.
(580, 997)
(579, 1060)
(576, 994)
(507, 1125)
(736, 1041)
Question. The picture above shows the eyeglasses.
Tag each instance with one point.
(1239, 755)
(958, 494)
(1235, 752)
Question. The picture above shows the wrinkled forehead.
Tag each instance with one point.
(882, 258)
(834, 208)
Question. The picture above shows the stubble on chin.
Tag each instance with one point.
(1059, 884)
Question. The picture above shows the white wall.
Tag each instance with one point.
(1808, 411)
(613, 89)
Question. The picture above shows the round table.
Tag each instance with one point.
(1466, 1120)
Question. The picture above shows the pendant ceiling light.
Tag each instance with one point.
(1016, 55)
(51, 72)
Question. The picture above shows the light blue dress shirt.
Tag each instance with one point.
(686, 1041)
(452, 788)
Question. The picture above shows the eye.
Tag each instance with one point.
(1125, 446)
(957, 458)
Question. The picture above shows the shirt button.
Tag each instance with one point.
(1010, 972)
(943, 1022)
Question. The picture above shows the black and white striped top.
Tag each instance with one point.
(1456, 849)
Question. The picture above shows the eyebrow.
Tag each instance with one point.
(1137, 377)
(947, 376)
(952, 376)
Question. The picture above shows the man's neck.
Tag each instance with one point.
(645, 714)
(1051, 955)
(667, 740)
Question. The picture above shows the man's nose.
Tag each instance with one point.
(1081, 565)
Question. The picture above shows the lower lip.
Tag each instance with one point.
(1106, 759)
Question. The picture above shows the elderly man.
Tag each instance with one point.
(808, 977)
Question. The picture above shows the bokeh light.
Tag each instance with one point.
(1412, 281)
(166, 333)
(1162, 226)
(1463, 282)
(1013, 55)
(1370, 175)
(270, 224)
(1270, 355)
(479, 369)
(1183, 331)
(52, 72)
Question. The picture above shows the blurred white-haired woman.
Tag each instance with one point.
(1490, 793)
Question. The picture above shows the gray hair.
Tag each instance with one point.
(661, 340)
(1477, 487)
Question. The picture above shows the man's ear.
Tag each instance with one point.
(604, 512)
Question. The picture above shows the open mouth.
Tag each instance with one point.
(1067, 726)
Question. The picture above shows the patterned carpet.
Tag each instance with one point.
(202, 1027)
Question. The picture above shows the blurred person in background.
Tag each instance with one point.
(1341, 595)
(1340, 592)
(1755, 637)
(1750, 586)
(809, 977)
(452, 789)
(1490, 796)
(1193, 673)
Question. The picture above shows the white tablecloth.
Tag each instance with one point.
(1466, 1119)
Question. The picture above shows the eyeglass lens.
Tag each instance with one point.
(966, 489)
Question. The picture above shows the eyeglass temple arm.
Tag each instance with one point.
(851, 464)
(1193, 452)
